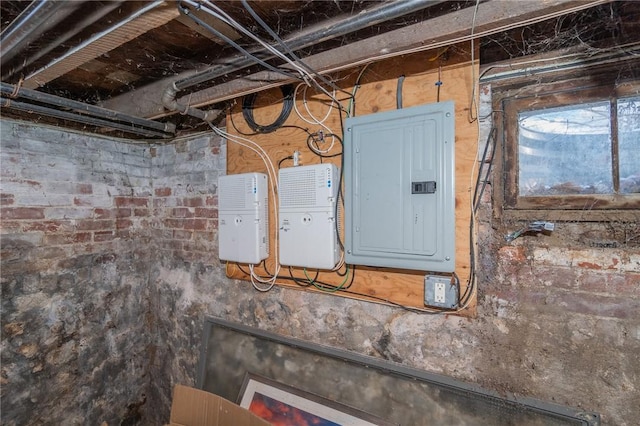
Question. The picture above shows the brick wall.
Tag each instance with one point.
(75, 293)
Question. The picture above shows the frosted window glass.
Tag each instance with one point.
(565, 150)
(629, 144)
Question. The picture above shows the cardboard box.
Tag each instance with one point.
(193, 407)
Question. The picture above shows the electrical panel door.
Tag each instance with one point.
(399, 188)
(243, 215)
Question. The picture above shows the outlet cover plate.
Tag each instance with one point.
(440, 292)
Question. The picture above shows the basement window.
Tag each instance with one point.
(575, 150)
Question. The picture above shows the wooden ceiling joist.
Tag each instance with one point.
(490, 17)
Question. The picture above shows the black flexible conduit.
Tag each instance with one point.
(287, 106)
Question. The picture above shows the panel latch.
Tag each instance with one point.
(426, 187)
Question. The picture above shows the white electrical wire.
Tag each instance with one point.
(476, 105)
(314, 120)
(218, 13)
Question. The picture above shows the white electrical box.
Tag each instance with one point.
(243, 217)
(307, 215)
(399, 176)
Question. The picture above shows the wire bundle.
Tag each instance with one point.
(288, 103)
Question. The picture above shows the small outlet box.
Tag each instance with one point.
(440, 292)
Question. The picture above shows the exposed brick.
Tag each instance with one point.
(104, 213)
(67, 238)
(182, 235)
(211, 200)
(161, 234)
(123, 233)
(512, 254)
(100, 236)
(49, 226)
(11, 226)
(171, 244)
(141, 212)
(6, 199)
(159, 202)
(195, 224)
(192, 202)
(182, 212)
(84, 188)
(205, 212)
(162, 192)
(174, 223)
(68, 213)
(94, 225)
(123, 212)
(131, 202)
(123, 223)
(22, 213)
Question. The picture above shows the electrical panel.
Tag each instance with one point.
(399, 188)
(243, 217)
(307, 215)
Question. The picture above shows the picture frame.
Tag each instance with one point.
(285, 405)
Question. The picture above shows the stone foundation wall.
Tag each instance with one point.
(109, 270)
(75, 263)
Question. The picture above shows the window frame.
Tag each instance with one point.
(530, 93)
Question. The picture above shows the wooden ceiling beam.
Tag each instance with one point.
(491, 17)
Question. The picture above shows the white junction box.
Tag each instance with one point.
(307, 215)
(243, 210)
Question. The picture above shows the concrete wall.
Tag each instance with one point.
(557, 319)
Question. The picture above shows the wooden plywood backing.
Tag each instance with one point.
(376, 92)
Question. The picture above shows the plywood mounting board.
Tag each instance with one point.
(376, 93)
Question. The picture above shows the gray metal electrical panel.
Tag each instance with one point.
(399, 175)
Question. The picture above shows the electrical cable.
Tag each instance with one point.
(275, 36)
(314, 120)
(329, 290)
(220, 14)
(286, 126)
(283, 160)
(399, 92)
(287, 105)
(351, 109)
(477, 197)
(186, 12)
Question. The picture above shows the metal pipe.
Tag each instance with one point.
(35, 20)
(98, 36)
(50, 112)
(322, 32)
(11, 91)
(92, 18)
(319, 33)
